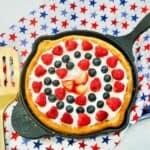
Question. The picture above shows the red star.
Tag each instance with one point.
(53, 7)
(5, 116)
(117, 133)
(82, 145)
(95, 147)
(147, 47)
(125, 25)
(33, 22)
(49, 148)
(134, 107)
(102, 7)
(34, 35)
(12, 37)
(144, 9)
(22, 20)
(140, 87)
(135, 117)
(83, 10)
(24, 53)
(83, 22)
(141, 77)
(114, 22)
(54, 20)
(148, 59)
(42, 6)
(148, 84)
(5, 130)
(2, 34)
(14, 135)
(137, 49)
(14, 148)
(133, 6)
(94, 25)
(73, 6)
(113, 9)
(116, 143)
(64, 24)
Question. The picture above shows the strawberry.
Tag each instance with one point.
(36, 86)
(61, 73)
(81, 89)
(113, 103)
(41, 99)
(58, 50)
(80, 100)
(101, 115)
(83, 120)
(82, 78)
(86, 45)
(100, 51)
(52, 112)
(84, 64)
(112, 61)
(118, 86)
(40, 71)
(95, 85)
(68, 85)
(67, 118)
(60, 93)
(47, 59)
(117, 74)
(71, 45)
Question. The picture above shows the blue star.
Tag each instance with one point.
(25, 141)
(23, 29)
(64, 12)
(106, 140)
(37, 144)
(124, 14)
(59, 139)
(140, 68)
(139, 57)
(123, 2)
(93, 15)
(104, 18)
(3, 43)
(105, 30)
(62, 1)
(44, 27)
(81, 0)
(55, 30)
(147, 75)
(93, 138)
(134, 17)
(33, 12)
(71, 141)
(24, 42)
(74, 17)
(92, 3)
(143, 97)
(115, 32)
(43, 14)
(146, 37)
(12, 27)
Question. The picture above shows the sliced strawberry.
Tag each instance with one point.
(47, 58)
(80, 100)
(100, 51)
(118, 74)
(86, 45)
(61, 73)
(101, 115)
(82, 78)
(95, 85)
(114, 103)
(40, 71)
(112, 61)
(81, 89)
(83, 120)
(60, 93)
(67, 118)
(52, 112)
(71, 45)
(68, 85)
(57, 50)
(41, 99)
(36, 86)
(118, 86)
(84, 64)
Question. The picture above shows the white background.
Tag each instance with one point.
(138, 136)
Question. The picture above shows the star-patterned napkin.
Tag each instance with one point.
(115, 17)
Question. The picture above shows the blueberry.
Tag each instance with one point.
(47, 91)
(92, 72)
(106, 95)
(96, 61)
(51, 70)
(100, 104)
(90, 109)
(88, 56)
(107, 78)
(80, 110)
(52, 98)
(92, 97)
(69, 65)
(55, 82)
(57, 63)
(70, 99)
(65, 58)
(69, 109)
(108, 87)
(104, 69)
(77, 54)
(47, 81)
(60, 105)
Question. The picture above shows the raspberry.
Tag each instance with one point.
(101, 115)
(84, 64)
(58, 50)
(117, 74)
(112, 61)
(41, 99)
(118, 86)
(67, 118)
(47, 59)
(83, 120)
(62, 72)
(100, 51)
(71, 45)
(60, 93)
(36, 86)
(40, 71)
(86, 45)
(95, 85)
(52, 113)
(80, 100)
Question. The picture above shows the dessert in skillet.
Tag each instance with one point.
(78, 85)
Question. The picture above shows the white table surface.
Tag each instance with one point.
(138, 136)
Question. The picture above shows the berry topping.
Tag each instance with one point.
(52, 98)
(51, 70)
(71, 45)
(77, 54)
(101, 115)
(60, 93)
(67, 118)
(41, 99)
(95, 85)
(80, 110)
(108, 87)
(81, 79)
(57, 64)
(106, 95)
(36, 86)
(47, 91)
(90, 109)
(70, 99)
(58, 50)
(100, 104)
(96, 61)
(84, 64)
(80, 89)
(86, 45)
(92, 72)
(52, 113)
(92, 97)
(47, 58)
(104, 69)
(83, 119)
(114, 103)
(100, 51)
(117, 74)
(70, 65)
(80, 100)
(107, 78)
(68, 85)
(69, 109)
(118, 86)
(65, 58)
(88, 56)
(61, 73)
(40, 71)
(112, 61)
(55, 82)
(47, 81)
(60, 105)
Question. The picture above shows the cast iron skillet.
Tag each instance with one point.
(27, 125)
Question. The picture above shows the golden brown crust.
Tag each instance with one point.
(66, 129)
